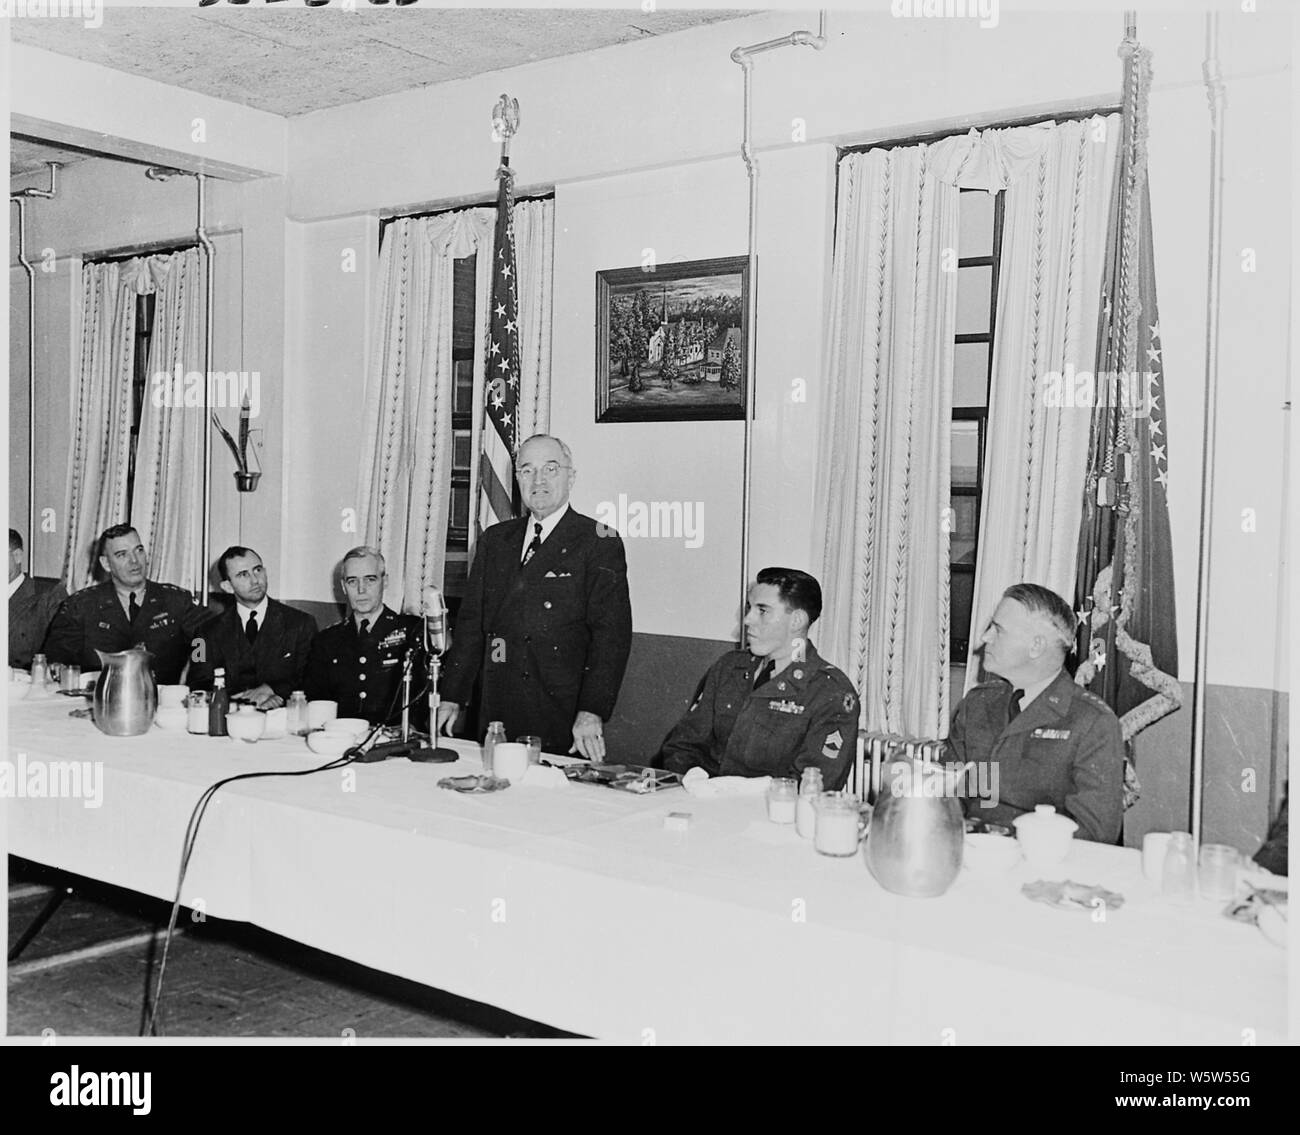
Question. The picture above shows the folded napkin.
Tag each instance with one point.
(540, 776)
(699, 783)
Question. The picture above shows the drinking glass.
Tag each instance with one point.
(1218, 874)
(71, 678)
(1179, 876)
(782, 800)
(534, 747)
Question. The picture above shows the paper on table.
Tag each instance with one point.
(699, 783)
(542, 776)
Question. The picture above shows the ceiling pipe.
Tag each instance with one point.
(20, 197)
(166, 173)
(1215, 92)
(744, 57)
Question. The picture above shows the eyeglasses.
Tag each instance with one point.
(550, 471)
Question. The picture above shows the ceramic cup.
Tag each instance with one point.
(510, 761)
(319, 712)
(1154, 846)
(1045, 837)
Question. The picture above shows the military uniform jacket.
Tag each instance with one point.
(364, 673)
(167, 625)
(1065, 748)
(550, 637)
(277, 658)
(29, 619)
(804, 717)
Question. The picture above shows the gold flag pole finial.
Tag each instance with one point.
(505, 122)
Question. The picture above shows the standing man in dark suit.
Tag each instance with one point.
(358, 662)
(546, 621)
(127, 610)
(263, 645)
(29, 613)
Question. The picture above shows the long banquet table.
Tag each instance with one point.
(574, 906)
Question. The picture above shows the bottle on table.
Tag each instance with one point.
(810, 788)
(1179, 878)
(496, 734)
(40, 670)
(219, 705)
(297, 716)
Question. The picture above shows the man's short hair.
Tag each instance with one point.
(232, 553)
(361, 552)
(799, 591)
(15, 541)
(568, 453)
(114, 533)
(1044, 602)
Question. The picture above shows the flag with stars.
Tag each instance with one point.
(1127, 645)
(498, 496)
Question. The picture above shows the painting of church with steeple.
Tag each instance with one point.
(671, 341)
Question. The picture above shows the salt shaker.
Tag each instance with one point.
(810, 788)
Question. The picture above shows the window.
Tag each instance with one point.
(979, 246)
(464, 282)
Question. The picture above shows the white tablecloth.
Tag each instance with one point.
(575, 907)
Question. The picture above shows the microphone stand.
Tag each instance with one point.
(434, 753)
(412, 745)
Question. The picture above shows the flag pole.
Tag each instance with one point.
(1215, 92)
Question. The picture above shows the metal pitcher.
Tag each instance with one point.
(917, 832)
(125, 693)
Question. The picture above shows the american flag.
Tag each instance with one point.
(1128, 646)
(498, 496)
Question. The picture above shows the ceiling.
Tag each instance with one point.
(293, 61)
(28, 155)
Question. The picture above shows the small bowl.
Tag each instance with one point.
(172, 718)
(1045, 837)
(246, 725)
(352, 726)
(277, 723)
(333, 744)
(170, 697)
(990, 854)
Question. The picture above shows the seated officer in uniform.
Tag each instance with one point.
(358, 662)
(126, 610)
(1053, 741)
(776, 708)
(261, 644)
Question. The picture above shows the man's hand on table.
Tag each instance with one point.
(588, 736)
(263, 697)
(448, 711)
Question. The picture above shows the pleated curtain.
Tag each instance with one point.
(885, 437)
(1058, 183)
(99, 462)
(886, 418)
(405, 474)
(167, 504)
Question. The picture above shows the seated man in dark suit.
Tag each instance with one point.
(1048, 740)
(29, 612)
(263, 645)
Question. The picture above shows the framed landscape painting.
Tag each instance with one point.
(672, 341)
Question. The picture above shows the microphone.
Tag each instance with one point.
(434, 610)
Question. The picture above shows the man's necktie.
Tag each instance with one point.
(132, 607)
(764, 672)
(1013, 710)
(365, 626)
(250, 627)
(532, 548)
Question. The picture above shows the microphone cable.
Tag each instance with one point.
(150, 1025)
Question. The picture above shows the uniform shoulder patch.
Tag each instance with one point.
(850, 703)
